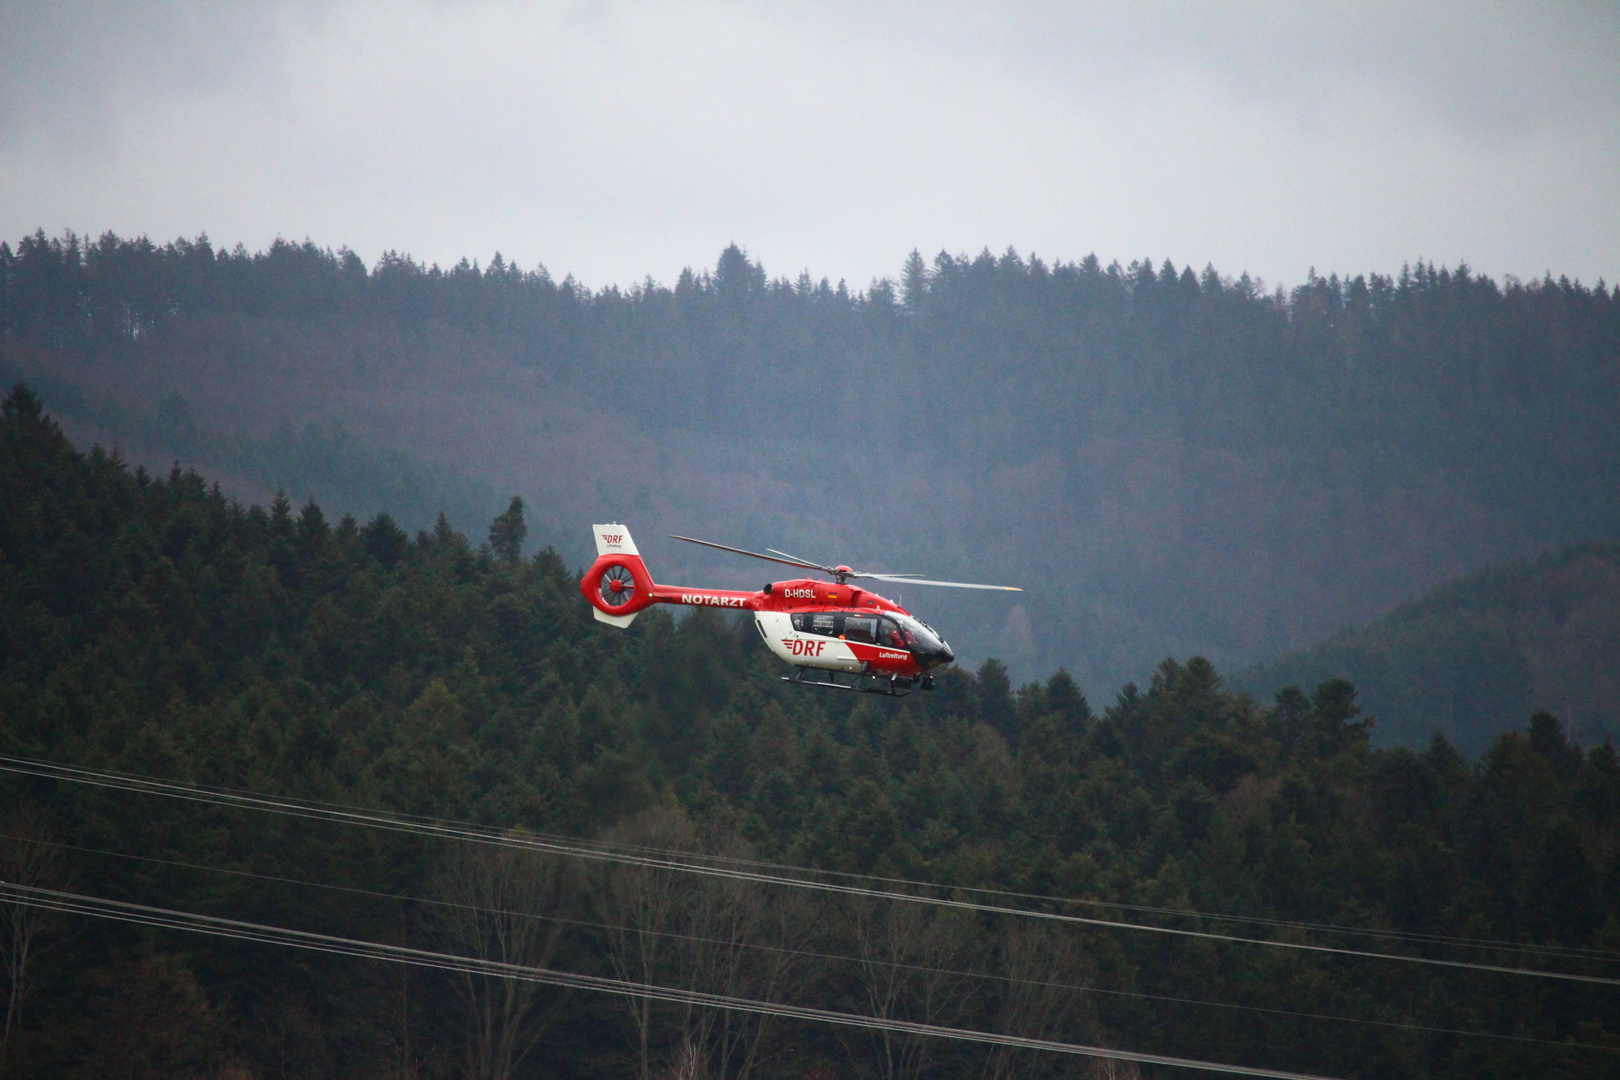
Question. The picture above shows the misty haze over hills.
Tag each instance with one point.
(1169, 461)
(1472, 658)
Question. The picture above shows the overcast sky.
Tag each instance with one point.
(619, 140)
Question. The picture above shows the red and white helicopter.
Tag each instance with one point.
(826, 629)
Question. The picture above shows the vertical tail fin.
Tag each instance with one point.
(614, 540)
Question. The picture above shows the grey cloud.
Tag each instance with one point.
(64, 65)
(619, 139)
(1484, 66)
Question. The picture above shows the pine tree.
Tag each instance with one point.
(913, 280)
(507, 531)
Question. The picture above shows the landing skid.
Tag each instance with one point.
(861, 683)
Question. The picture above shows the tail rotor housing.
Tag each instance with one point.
(617, 584)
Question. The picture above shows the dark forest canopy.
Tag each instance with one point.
(1172, 461)
(150, 625)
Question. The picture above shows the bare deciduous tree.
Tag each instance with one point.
(711, 934)
(1039, 966)
(392, 1010)
(639, 906)
(740, 940)
(1113, 1069)
(30, 859)
(910, 960)
(503, 904)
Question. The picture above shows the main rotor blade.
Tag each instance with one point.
(949, 584)
(790, 560)
(751, 554)
(802, 562)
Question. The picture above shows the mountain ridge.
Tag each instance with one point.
(1473, 657)
(1171, 461)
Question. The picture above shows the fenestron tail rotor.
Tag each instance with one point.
(843, 573)
(617, 587)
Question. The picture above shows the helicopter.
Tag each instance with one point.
(838, 635)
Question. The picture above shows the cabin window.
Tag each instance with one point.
(816, 622)
(861, 628)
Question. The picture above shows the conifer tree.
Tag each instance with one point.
(507, 531)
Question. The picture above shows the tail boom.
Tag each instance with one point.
(725, 598)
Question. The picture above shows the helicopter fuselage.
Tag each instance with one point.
(807, 622)
(810, 623)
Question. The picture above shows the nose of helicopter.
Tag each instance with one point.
(933, 654)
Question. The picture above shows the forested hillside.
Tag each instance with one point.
(1477, 654)
(151, 626)
(1171, 461)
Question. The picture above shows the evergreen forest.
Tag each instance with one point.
(151, 625)
(1170, 460)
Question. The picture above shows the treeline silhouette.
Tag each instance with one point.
(152, 626)
(1510, 384)
(1172, 461)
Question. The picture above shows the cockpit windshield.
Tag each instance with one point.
(917, 635)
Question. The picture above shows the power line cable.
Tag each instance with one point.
(1570, 952)
(167, 918)
(815, 955)
(582, 850)
(609, 844)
